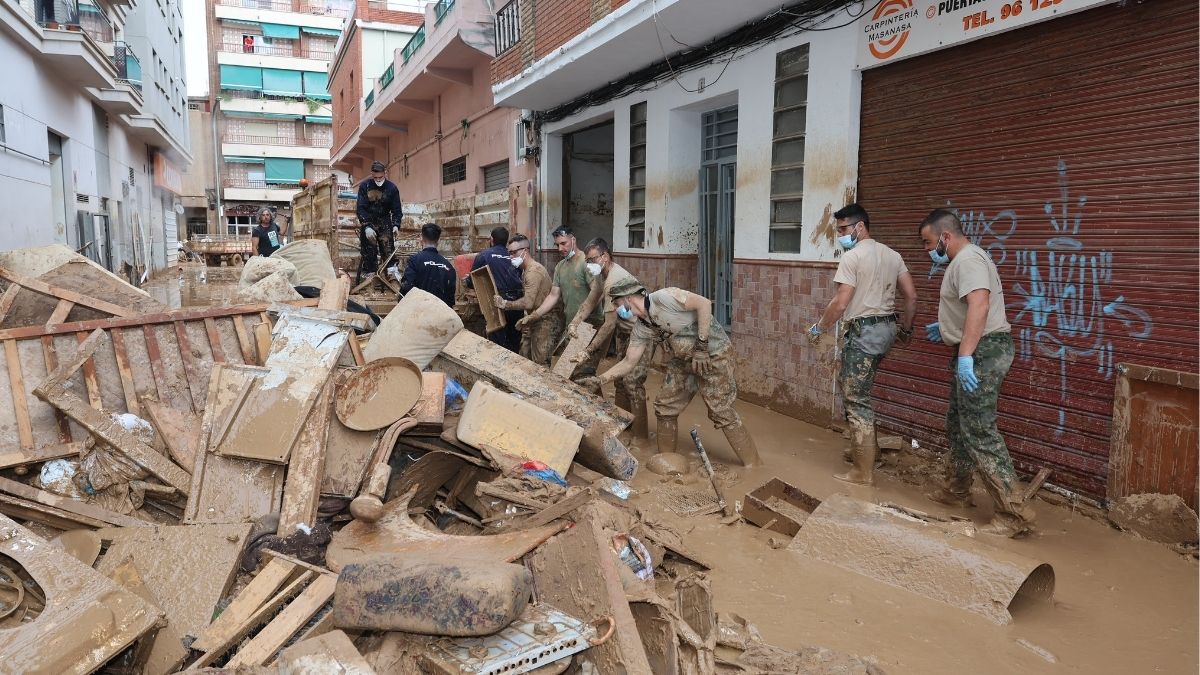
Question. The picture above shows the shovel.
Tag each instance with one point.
(726, 506)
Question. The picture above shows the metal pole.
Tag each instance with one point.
(216, 161)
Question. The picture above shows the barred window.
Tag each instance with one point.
(637, 175)
(787, 149)
(454, 171)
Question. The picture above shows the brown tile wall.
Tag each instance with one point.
(660, 271)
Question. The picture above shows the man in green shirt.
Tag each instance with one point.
(971, 319)
(571, 284)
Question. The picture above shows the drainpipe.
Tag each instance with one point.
(216, 162)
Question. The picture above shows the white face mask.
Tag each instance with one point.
(570, 254)
(516, 261)
(379, 182)
(593, 269)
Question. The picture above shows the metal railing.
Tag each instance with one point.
(56, 13)
(339, 8)
(95, 23)
(129, 68)
(441, 9)
(388, 75)
(292, 51)
(508, 27)
(369, 100)
(414, 43)
(257, 184)
(252, 139)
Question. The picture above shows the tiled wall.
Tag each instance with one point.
(774, 304)
(660, 271)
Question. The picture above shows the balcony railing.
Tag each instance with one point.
(305, 142)
(508, 27)
(441, 9)
(338, 8)
(369, 100)
(414, 43)
(257, 184)
(95, 23)
(129, 68)
(388, 75)
(292, 51)
(56, 13)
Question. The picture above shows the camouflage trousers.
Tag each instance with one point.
(537, 342)
(631, 387)
(975, 443)
(375, 252)
(860, 360)
(718, 389)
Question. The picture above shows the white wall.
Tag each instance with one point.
(379, 51)
(674, 145)
(195, 42)
(153, 29)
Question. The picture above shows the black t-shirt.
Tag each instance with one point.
(268, 239)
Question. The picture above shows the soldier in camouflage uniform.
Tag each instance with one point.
(867, 278)
(699, 361)
(379, 214)
(971, 317)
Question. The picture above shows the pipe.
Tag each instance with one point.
(217, 189)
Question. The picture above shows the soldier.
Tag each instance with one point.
(971, 318)
(631, 389)
(535, 336)
(572, 284)
(508, 285)
(867, 278)
(429, 270)
(379, 214)
(698, 349)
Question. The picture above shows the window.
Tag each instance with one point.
(787, 150)
(240, 225)
(508, 27)
(454, 170)
(495, 177)
(3, 139)
(637, 175)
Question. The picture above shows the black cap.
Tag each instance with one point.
(378, 166)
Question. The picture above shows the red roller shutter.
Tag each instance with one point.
(1069, 149)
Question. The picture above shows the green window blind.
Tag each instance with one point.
(316, 85)
(318, 119)
(331, 32)
(241, 77)
(284, 170)
(282, 82)
(278, 30)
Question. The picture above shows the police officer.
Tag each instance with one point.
(379, 214)
(972, 320)
(508, 286)
(699, 351)
(428, 270)
(867, 278)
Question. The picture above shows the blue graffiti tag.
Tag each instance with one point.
(1062, 288)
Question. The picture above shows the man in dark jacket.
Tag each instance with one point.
(428, 270)
(379, 215)
(508, 286)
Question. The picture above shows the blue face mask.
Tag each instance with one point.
(938, 254)
(847, 241)
(625, 313)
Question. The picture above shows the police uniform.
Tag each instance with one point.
(508, 286)
(975, 441)
(429, 271)
(378, 208)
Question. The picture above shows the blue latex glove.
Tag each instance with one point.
(933, 332)
(966, 373)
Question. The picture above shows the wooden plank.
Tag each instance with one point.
(67, 504)
(61, 310)
(190, 368)
(356, 351)
(167, 651)
(281, 629)
(262, 341)
(145, 319)
(89, 378)
(430, 411)
(1035, 483)
(50, 356)
(108, 430)
(552, 512)
(180, 431)
(214, 339)
(244, 342)
(38, 455)
(329, 652)
(485, 289)
(260, 615)
(161, 388)
(15, 507)
(306, 468)
(249, 600)
(16, 383)
(334, 294)
(583, 337)
(127, 385)
(6, 300)
(66, 294)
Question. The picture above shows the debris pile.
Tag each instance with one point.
(272, 488)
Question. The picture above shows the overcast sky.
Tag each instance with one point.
(195, 42)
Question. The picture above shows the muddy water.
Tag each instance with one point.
(1121, 604)
(194, 285)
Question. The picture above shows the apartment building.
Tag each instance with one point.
(711, 141)
(270, 101)
(414, 91)
(93, 128)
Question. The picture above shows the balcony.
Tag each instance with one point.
(67, 48)
(414, 43)
(244, 145)
(310, 141)
(340, 8)
(287, 51)
(129, 67)
(243, 189)
(440, 9)
(95, 23)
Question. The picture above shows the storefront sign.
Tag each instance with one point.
(166, 176)
(898, 29)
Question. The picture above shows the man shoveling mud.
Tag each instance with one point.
(971, 317)
(867, 278)
(698, 349)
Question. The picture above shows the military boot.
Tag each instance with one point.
(865, 451)
(743, 444)
(668, 434)
(1012, 517)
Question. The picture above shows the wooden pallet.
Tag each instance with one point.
(166, 357)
